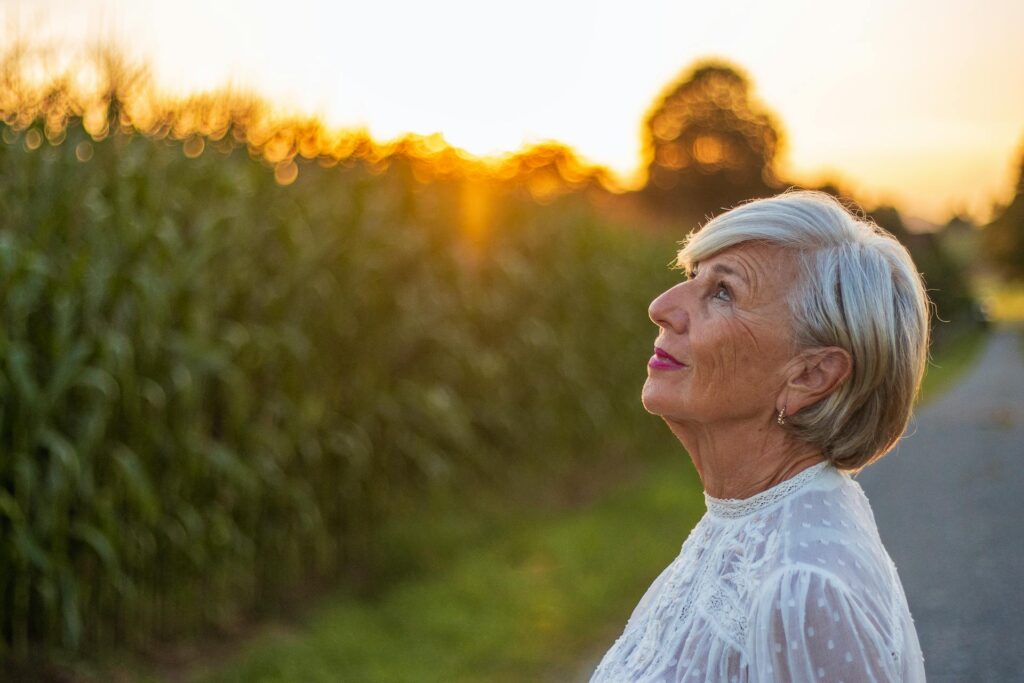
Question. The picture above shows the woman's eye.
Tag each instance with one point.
(721, 293)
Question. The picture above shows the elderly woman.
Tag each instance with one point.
(788, 360)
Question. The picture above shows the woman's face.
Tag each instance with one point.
(724, 338)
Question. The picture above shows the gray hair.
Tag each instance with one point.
(858, 290)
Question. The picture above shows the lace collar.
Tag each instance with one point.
(733, 508)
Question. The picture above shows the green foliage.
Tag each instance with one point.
(1003, 238)
(956, 358)
(955, 308)
(213, 389)
(525, 603)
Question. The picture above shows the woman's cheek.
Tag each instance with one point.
(720, 365)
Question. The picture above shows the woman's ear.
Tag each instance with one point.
(816, 373)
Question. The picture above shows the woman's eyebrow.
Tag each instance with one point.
(723, 269)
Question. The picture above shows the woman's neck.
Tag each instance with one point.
(740, 461)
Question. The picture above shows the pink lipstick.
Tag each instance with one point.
(663, 360)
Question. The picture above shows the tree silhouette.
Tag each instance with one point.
(709, 144)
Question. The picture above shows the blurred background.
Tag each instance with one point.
(323, 324)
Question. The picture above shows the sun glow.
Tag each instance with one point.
(921, 103)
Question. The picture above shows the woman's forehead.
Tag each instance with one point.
(758, 263)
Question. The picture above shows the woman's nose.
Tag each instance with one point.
(667, 309)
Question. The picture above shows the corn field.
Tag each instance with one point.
(213, 387)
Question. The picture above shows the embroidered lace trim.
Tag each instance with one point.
(734, 508)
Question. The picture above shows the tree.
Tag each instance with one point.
(1003, 238)
(709, 144)
(946, 282)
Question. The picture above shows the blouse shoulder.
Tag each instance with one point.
(831, 608)
(810, 624)
(829, 526)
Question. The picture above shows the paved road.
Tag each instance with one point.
(949, 502)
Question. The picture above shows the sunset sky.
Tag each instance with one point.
(917, 102)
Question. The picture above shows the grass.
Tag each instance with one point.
(951, 362)
(521, 605)
(505, 593)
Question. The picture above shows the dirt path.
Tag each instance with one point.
(949, 503)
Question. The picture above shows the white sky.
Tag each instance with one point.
(919, 102)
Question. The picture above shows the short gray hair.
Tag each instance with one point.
(858, 290)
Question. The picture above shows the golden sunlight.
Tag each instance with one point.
(921, 103)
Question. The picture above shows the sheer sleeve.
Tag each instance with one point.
(809, 626)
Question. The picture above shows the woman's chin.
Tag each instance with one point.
(654, 399)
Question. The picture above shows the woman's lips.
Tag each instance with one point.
(663, 360)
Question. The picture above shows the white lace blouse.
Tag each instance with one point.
(792, 584)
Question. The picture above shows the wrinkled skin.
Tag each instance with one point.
(731, 326)
(732, 330)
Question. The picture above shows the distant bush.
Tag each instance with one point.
(1003, 238)
(955, 306)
